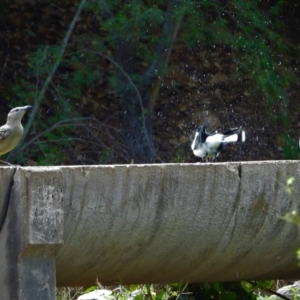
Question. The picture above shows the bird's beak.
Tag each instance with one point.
(28, 107)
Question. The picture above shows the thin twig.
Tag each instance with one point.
(107, 12)
(129, 80)
(157, 84)
(164, 39)
(64, 123)
(77, 122)
(5, 63)
(269, 291)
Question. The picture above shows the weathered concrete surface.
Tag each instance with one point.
(31, 234)
(152, 223)
(6, 175)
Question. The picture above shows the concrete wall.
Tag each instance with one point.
(147, 224)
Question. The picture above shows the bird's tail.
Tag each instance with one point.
(234, 135)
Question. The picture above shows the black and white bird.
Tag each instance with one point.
(209, 146)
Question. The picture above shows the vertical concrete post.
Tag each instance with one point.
(37, 278)
(31, 236)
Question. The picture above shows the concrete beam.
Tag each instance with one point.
(146, 224)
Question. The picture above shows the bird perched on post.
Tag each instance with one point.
(209, 146)
(12, 131)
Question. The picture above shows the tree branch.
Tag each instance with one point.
(107, 12)
(138, 96)
(157, 83)
(48, 80)
(164, 43)
(75, 122)
(64, 123)
(164, 48)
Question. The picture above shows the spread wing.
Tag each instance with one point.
(4, 132)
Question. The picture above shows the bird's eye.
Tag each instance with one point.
(16, 110)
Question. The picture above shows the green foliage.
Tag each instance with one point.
(48, 149)
(91, 288)
(142, 292)
(242, 26)
(104, 156)
(24, 91)
(291, 147)
(292, 216)
(294, 293)
(3, 9)
(133, 18)
(43, 59)
(218, 291)
(68, 293)
(224, 291)
(179, 155)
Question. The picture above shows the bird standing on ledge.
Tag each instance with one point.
(209, 146)
(12, 131)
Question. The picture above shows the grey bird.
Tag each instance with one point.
(209, 146)
(12, 131)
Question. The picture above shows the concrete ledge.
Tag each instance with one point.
(148, 224)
